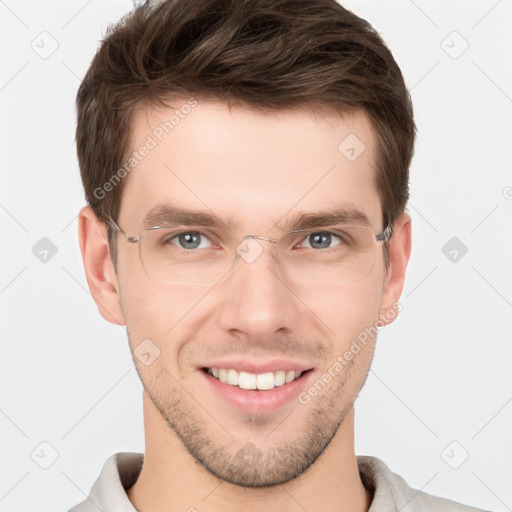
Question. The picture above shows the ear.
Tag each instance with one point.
(399, 253)
(99, 270)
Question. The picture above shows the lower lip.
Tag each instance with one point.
(259, 401)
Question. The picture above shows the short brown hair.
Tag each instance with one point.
(264, 54)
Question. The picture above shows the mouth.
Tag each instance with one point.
(259, 381)
(256, 393)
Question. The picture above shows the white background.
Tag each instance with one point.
(441, 385)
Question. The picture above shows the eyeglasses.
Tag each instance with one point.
(198, 256)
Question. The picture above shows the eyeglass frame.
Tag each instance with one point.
(383, 236)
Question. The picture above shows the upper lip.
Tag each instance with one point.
(257, 367)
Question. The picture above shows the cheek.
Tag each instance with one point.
(346, 309)
(158, 311)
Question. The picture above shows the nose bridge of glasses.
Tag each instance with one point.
(249, 249)
(259, 237)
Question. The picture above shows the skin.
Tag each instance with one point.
(258, 169)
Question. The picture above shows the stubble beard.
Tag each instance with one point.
(261, 463)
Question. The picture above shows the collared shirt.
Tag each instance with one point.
(390, 491)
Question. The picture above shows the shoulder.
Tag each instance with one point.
(108, 492)
(392, 493)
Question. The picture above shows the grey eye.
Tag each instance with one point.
(322, 240)
(190, 240)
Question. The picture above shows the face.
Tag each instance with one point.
(259, 172)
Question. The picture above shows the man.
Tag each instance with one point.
(246, 168)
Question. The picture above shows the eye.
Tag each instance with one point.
(190, 240)
(322, 240)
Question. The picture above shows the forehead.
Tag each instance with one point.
(255, 167)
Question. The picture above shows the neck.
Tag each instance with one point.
(172, 480)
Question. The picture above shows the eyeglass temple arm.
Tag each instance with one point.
(115, 227)
(385, 235)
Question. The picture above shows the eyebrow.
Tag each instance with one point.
(169, 215)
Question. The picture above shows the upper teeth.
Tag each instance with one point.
(252, 380)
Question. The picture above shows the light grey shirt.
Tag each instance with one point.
(390, 491)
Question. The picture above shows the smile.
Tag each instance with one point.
(260, 381)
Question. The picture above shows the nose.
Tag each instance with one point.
(258, 302)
